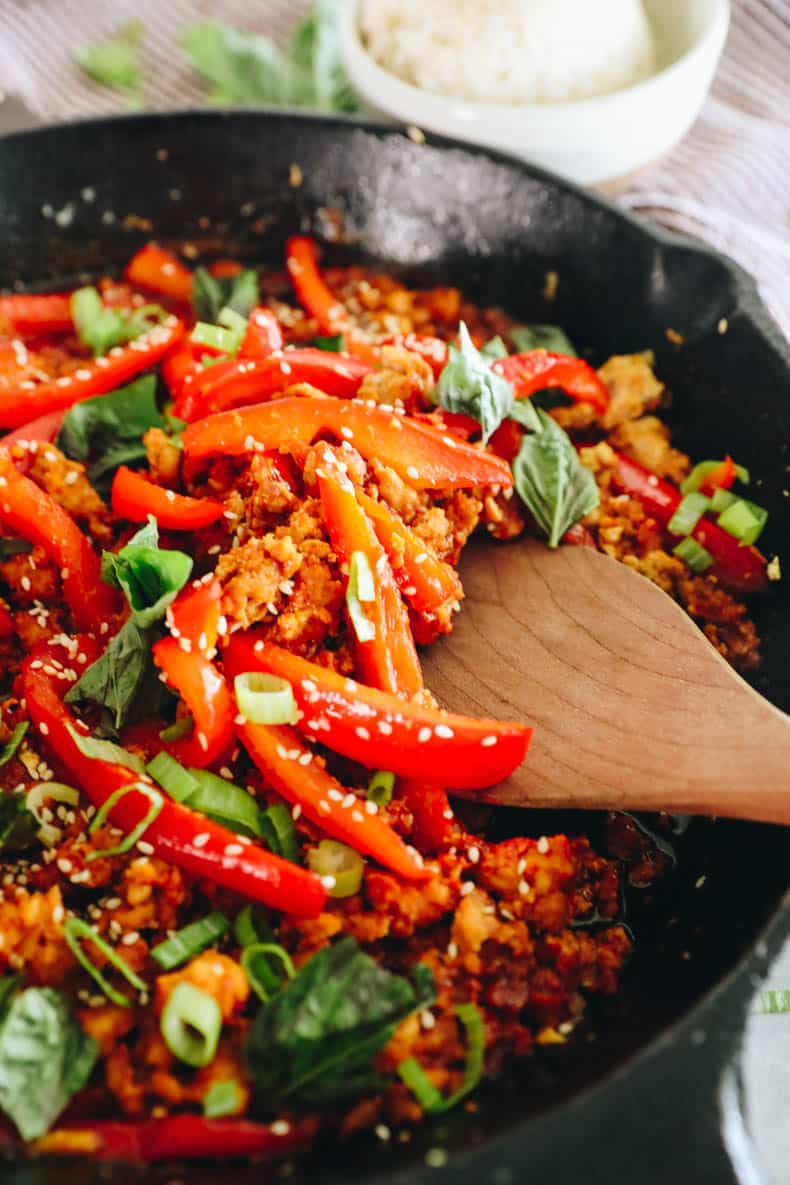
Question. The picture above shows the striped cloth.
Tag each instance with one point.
(728, 183)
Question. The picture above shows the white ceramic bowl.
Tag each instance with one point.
(592, 141)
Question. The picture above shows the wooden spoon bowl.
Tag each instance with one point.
(632, 707)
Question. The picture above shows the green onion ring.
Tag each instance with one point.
(73, 930)
(265, 699)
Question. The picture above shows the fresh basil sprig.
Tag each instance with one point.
(149, 575)
(555, 486)
(469, 385)
(18, 825)
(45, 1057)
(316, 1041)
(542, 337)
(107, 431)
(212, 294)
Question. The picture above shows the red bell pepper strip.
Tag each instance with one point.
(178, 835)
(225, 269)
(390, 660)
(30, 313)
(134, 498)
(291, 769)
(314, 294)
(538, 370)
(206, 694)
(174, 1137)
(433, 817)
(740, 567)
(160, 271)
(420, 454)
(44, 430)
(236, 382)
(29, 512)
(195, 614)
(263, 336)
(426, 582)
(506, 440)
(722, 478)
(181, 363)
(381, 731)
(24, 401)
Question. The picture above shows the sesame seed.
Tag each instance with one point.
(524, 889)
(357, 816)
(305, 758)
(146, 848)
(383, 1133)
(43, 728)
(234, 849)
(362, 733)
(349, 801)
(296, 813)
(424, 735)
(335, 795)
(201, 840)
(467, 887)
(521, 867)
(444, 731)
(487, 742)
(281, 1127)
(543, 845)
(452, 951)
(427, 1019)
(371, 807)
(130, 938)
(324, 807)
(329, 882)
(413, 473)
(385, 728)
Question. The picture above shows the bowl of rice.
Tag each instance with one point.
(592, 89)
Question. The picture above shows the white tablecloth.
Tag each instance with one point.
(729, 183)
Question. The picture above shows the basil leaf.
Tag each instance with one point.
(101, 750)
(212, 294)
(150, 576)
(18, 825)
(247, 68)
(316, 1041)
(123, 679)
(14, 741)
(525, 413)
(542, 337)
(11, 547)
(315, 53)
(45, 1058)
(116, 62)
(551, 480)
(468, 385)
(9, 986)
(106, 431)
(494, 349)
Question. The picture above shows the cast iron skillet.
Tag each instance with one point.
(650, 1090)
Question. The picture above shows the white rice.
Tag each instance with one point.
(511, 51)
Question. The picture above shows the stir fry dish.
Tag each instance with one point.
(239, 904)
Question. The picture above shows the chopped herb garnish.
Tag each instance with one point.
(468, 385)
(212, 294)
(542, 337)
(18, 825)
(149, 575)
(116, 62)
(333, 345)
(101, 328)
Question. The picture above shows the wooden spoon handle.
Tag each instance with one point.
(632, 707)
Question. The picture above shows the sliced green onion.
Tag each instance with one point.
(688, 514)
(215, 337)
(339, 864)
(225, 803)
(721, 500)
(222, 1098)
(745, 520)
(263, 978)
(14, 741)
(73, 930)
(265, 699)
(171, 776)
(773, 1001)
(233, 321)
(693, 554)
(43, 792)
(279, 833)
(381, 787)
(127, 843)
(700, 473)
(190, 941)
(335, 344)
(429, 1096)
(361, 589)
(191, 1023)
(101, 328)
(252, 925)
(178, 730)
(100, 750)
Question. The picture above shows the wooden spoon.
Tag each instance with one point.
(632, 707)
